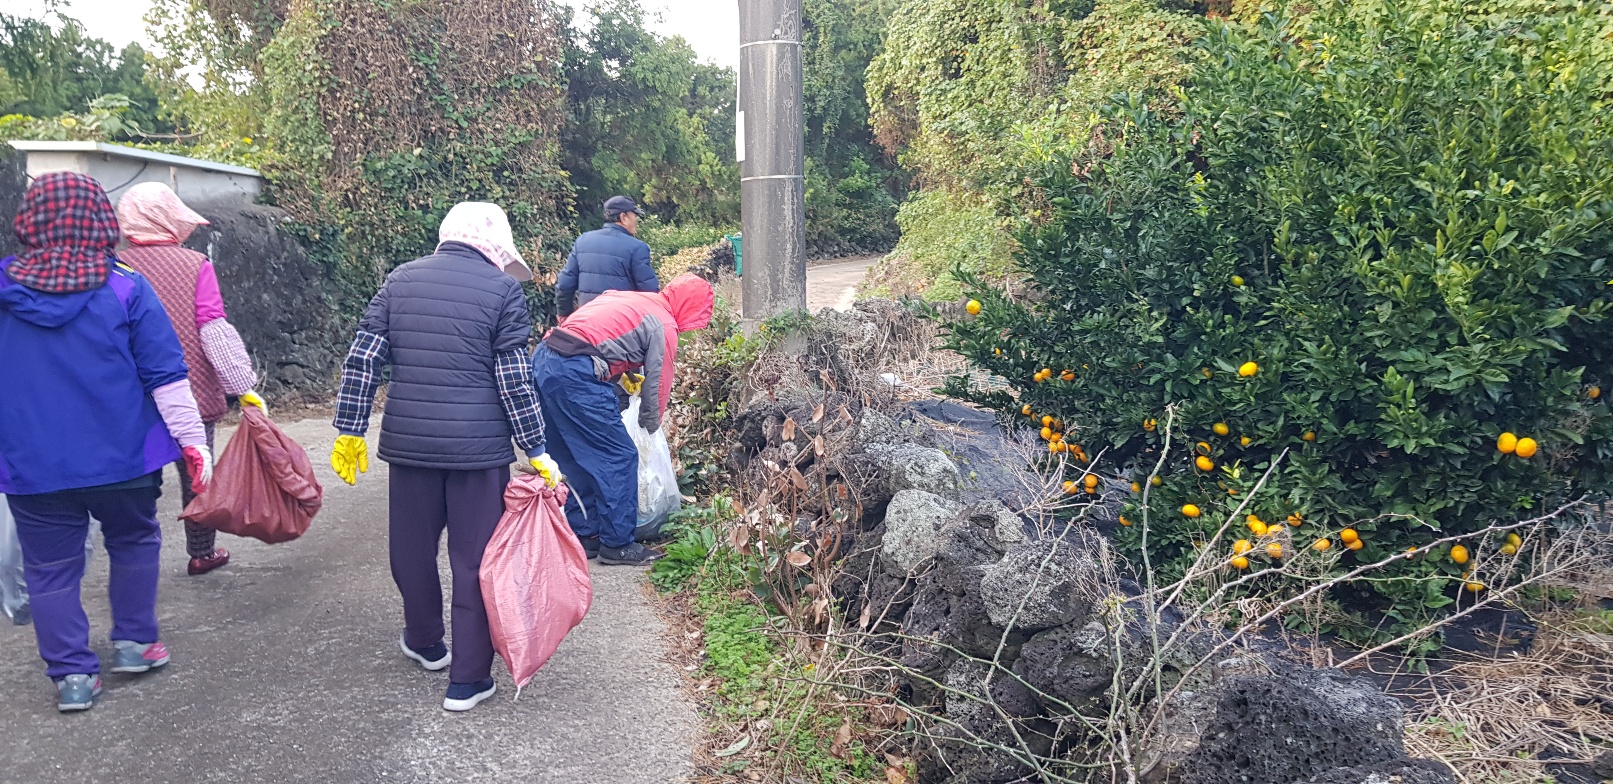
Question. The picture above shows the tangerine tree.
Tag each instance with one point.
(1373, 237)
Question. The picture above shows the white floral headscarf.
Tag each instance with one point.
(483, 226)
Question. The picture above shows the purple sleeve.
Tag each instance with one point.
(209, 302)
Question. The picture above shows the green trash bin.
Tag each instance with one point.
(738, 241)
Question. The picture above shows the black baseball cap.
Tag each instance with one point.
(616, 205)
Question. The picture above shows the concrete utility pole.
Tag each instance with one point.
(772, 167)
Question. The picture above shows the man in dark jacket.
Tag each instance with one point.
(609, 258)
(453, 326)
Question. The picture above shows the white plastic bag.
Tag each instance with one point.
(13, 589)
(658, 494)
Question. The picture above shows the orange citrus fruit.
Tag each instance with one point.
(1069, 486)
(1527, 448)
(1156, 480)
(1124, 521)
(1237, 280)
(1207, 372)
(1190, 510)
(1355, 545)
(1506, 444)
(1068, 375)
(1136, 487)
(1295, 520)
(1248, 369)
(1310, 435)
(1025, 409)
(1349, 535)
(1459, 554)
(1202, 447)
(1593, 393)
(1240, 562)
(1047, 433)
(1221, 428)
(1473, 586)
(1091, 480)
(1149, 425)
(1204, 463)
(1275, 549)
(1321, 545)
(1047, 420)
(1246, 440)
(973, 307)
(1242, 546)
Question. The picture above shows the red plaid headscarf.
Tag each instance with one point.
(69, 230)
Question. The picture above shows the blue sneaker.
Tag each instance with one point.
(77, 692)
(464, 696)
(139, 656)
(431, 657)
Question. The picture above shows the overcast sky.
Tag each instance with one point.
(710, 26)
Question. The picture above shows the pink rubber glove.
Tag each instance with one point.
(199, 463)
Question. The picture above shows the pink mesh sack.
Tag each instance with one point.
(534, 577)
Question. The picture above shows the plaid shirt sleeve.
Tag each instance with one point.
(514, 371)
(361, 375)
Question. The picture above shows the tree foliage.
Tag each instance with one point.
(1402, 212)
(386, 115)
(975, 98)
(647, 119)
(852, 188)
(209, 68)
(49, 68)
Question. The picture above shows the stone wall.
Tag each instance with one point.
(13, 182)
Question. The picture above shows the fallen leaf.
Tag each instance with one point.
(797, 479)
(837, 747)
(798, 559)
(735, 747)
(789, 429)
(817, 446)
(895, 775)
(888, 715)
(817, 414)
(739, 536)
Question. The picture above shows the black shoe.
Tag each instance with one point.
(464, 696)
(590, 545)
(432, 657)
(634, 554)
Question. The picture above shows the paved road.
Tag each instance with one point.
(286, 670)
(834, 284)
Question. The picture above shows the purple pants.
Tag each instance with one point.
(51, 528)
(469, 504)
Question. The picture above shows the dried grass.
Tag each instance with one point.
(1493, 719)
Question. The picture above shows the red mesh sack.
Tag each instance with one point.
(534, 577)
(263, 485)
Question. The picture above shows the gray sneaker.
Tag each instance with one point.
(77, 692)
(634, 554)
(139, 656)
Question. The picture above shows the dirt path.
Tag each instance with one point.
(286, 670)
(833, 284)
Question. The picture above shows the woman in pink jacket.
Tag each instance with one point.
(156, 222)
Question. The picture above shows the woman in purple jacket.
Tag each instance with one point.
(94, 401)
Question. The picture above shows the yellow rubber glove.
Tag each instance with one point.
(350, 457)
(252, 398)
(632, 382)
(547, 468)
